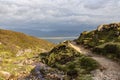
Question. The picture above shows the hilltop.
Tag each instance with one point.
(17, 52)
(105, 40)
(15, 41)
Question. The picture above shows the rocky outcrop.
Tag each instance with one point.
(108, 26)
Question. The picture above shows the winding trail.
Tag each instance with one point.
(109, 70)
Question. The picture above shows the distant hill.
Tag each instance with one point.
(104, 40)
(17, 52)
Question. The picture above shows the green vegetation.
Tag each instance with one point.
(17, 52)
(72, 63)
(105, 40)
(110, 50)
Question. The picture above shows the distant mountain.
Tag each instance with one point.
(54, 32)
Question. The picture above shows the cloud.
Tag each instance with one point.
(92, 4)
(50, 13)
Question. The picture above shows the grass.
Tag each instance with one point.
(105, 42)
(14, 41)
(15, 66)
(110, 50)
(15, 49)
(72, 63)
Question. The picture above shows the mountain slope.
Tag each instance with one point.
(17, 52)
(103, 34)
(105, 40)
(15, 40)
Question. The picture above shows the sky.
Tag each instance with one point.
(50, 15)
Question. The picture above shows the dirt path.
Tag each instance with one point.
(110, 70)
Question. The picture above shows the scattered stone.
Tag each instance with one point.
(19, 53)
(5, 74)
(43, 50)
(27, 50)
